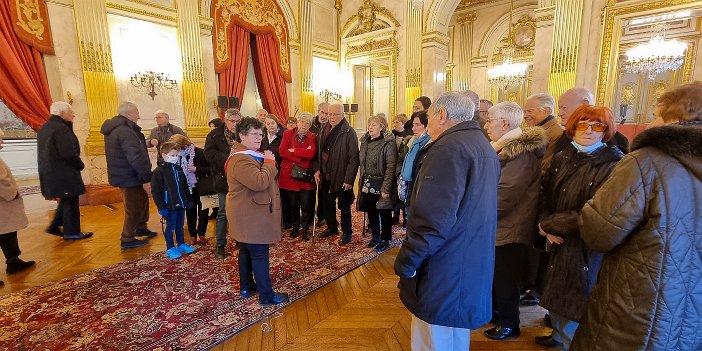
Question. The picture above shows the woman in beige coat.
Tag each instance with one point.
(253, 210)
(13, 219)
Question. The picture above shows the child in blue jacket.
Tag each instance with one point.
(169, 189)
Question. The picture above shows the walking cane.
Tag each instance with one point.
(314, 217)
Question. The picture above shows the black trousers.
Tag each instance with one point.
(535, 275)
(320, 205)
(67, 215)
(9, 245)
(300, 207)
(197, 217)
(254, 263)
(380, 221)
(510, 261)
(345, 199)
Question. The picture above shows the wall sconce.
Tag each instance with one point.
(151, 80)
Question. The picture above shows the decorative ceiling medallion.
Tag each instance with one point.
(369, 18)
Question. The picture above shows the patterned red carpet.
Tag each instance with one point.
(154, 303)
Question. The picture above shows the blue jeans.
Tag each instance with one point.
(563, 330)
(174, 222)
(254, 263)
(222, 223)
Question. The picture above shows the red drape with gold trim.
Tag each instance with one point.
(23, 84)
(269, 78)
(232, 80)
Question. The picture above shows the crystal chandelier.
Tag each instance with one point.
(152, 80)
(507, 73)
(656, 56)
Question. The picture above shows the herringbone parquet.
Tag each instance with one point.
(359, 311)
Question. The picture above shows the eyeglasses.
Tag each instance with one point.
(490, 120)
(596, 127)
(255, 134)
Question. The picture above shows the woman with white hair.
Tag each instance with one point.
(14, 219)
(520, 152)
(297, 150)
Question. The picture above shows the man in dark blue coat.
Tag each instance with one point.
(446, 263)
(129, 169)
(58, 156)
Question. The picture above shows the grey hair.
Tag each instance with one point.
(509, 111)
(337, 104)
(544, 101)
(232, 112)
(59, 107)
(473, 96)
(458, 106)
(380, 119)
(162, 112)
(583, 94)
(305, 116)
(322, 104)
(125, 107)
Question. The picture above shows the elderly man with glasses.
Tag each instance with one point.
(218, 146)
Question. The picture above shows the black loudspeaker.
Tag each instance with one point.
(233, 102)
(222, 102)
(350, 108)
(354, 107)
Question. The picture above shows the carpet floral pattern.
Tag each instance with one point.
(154, 303)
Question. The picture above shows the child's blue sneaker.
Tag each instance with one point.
(173, 253)
(186, 249)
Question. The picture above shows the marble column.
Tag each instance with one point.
(434, 58)
(542, 47)
(465, 50)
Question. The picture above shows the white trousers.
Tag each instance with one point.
(430, 337)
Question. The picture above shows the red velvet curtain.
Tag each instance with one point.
(23, 85)
(269, 78)
(232, 80)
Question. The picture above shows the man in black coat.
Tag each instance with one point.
(59, 162)
(336, 168)
(218, 146)
(446, 263)
(319, 121)
(129, 169)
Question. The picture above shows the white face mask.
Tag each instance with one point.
(171, 159)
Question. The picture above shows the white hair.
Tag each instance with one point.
(59, 107)
(305, 116)
(458, 106)
(125, 107)
(544, 101)
(509, 111)
(337, 104)
(583, 94)
(473, 96)
(162, 112)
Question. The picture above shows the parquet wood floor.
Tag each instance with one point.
(359, 311)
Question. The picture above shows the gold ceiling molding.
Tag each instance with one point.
(256, 16)
(468, 3)
(471, 17)
(139, 11)
(611, 12)
(366, 20)
(151, 4)
(435, 37)
(544, 18)
(372, 45)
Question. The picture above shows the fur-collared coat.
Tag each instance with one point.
(647, 218)
(11, 204)
(518, 190)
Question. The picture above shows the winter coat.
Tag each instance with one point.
(274, 146)
(303, 155)
(518, 190)
(316, 126)
(573, 178)
(647, 218)
(162, 134)
(217, 151)
(128, 163)
(203, 172)
(169, 187)
(253, 200)
(342, 164)
(58, 154)
(451, 231)
(554, 131)
(11, 204)
(386, 162)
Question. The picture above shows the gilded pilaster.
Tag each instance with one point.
(307, 92)
(193, 84)
(413, 60)
(465, 53)
(566, 44)
(98, 74)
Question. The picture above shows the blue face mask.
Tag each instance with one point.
(171, 159)
(588, 149)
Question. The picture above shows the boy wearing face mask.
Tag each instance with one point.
(169, 189)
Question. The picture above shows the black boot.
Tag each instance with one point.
(305, 234)
(294, 232)
(382, 246)
(374, 242)
(329, 232)
(345, 239)
(16, 265)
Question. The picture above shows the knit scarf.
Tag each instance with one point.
(408, 164)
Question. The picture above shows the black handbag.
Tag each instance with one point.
(303, 174)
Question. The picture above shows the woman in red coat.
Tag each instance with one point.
(299, 147)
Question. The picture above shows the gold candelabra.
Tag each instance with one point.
(151, 80)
